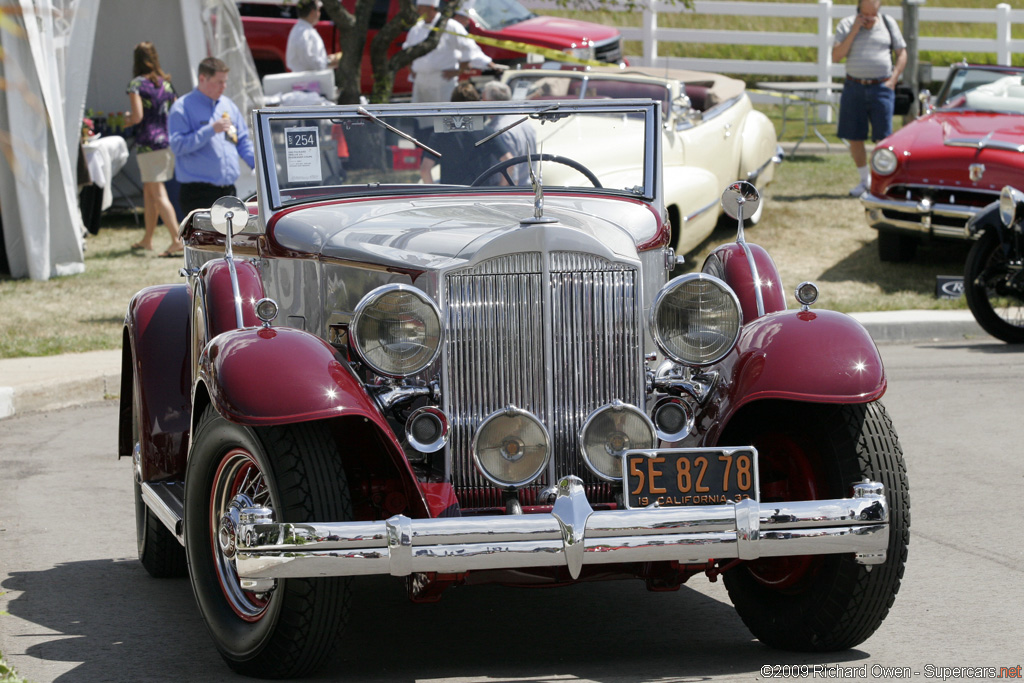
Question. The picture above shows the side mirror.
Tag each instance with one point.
(228, 210)
(740, 201)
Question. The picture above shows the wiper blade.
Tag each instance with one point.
(512, 125)
(381, 122)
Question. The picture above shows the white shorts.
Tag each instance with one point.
(156, 166)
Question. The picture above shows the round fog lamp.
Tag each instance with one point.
(396, 330)
(609, 432)
(511, 447)
(673, 418)
(426, 430)
(695, 319)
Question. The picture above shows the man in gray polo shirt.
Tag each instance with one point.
(867, 42)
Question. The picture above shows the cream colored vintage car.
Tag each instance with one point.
(711, 135)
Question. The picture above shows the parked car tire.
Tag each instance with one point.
(988, 296)
(295, 471)
(159, 550)
(896, 247)
(805, 452)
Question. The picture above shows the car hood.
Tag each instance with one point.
(434, 233)
(943, 144)
(554, 32)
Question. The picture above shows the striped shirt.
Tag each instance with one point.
(870, 55)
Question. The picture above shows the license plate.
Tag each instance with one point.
(689, 476)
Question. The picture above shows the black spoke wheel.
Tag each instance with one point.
(994, 288)
(822, 602)
(295, 471)
(159, 550)
(502, 168)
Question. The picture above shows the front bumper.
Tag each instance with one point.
(571, 535)
(920, 217)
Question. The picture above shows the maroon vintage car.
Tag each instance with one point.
(930, 177)
(267, 23)
(477, 381)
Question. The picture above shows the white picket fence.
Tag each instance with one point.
(826, 13)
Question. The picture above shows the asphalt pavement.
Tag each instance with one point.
(51, 382)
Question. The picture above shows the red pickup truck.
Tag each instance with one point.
(267, 25)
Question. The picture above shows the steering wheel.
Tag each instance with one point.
(503, 166)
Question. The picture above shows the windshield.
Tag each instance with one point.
(964, 80)
(493, 15)
(545, 85)
(313, 153)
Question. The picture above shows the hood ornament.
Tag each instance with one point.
(536, 179)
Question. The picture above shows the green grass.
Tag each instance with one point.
(815, 231)
(83, 312)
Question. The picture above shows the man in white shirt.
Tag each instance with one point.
(471, 52)
(306, 51)
(435, 74)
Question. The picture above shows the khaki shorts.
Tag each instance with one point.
(156, 166)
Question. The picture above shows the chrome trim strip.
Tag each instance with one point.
(758, 296)
(698, 212)
(756, 173)
(166, 505)
(572, 535)
(985, 143)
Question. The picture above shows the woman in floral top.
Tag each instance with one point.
(151, 94)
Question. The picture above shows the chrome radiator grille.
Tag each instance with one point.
(510, 318)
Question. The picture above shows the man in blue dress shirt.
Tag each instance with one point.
(207, 134)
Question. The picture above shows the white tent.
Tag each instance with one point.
(60, 56)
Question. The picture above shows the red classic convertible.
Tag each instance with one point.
(931, 176)
(474, 381)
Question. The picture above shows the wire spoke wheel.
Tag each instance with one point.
(238, 474)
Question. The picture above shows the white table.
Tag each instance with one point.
(809, 95)
(105, 156)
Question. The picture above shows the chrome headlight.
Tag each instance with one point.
(584, 50)
(883, 161)
(511, 447)
(396, 330)
(1009, 199)
(695, 319)
(609, 432)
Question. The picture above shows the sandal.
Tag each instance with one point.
(139, 246)
(172, 254)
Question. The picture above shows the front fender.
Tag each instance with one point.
(155, 356)
(279, 375)
(692, 194)
(808, 356)
(758, 149)
(729, 263)
(986, 219)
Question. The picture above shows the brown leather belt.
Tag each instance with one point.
(867, 81)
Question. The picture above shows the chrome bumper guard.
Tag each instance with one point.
(571, 535)
(874, 206)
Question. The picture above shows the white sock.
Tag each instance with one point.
(865, 174)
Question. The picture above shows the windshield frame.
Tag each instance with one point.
(270, 192)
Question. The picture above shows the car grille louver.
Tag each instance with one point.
(502, 340)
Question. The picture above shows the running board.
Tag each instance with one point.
(166, 500)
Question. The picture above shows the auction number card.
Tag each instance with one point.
(302, 154)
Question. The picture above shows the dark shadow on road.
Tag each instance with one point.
(120, 624)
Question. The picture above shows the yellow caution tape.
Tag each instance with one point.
(516, 46)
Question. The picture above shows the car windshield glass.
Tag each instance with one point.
(1003, 95)
(963, 80)
(548, 86)
(334, 151)
(493, 15)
